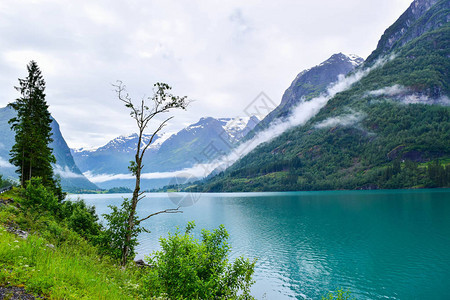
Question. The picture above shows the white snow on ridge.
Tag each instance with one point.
(194, 127)
(354, 59)
(235, 127)
(234, 124)
(161, 139)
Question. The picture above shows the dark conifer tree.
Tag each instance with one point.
(31, 153)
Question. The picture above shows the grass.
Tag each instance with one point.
(71, 269)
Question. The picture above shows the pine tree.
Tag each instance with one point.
(31, 153)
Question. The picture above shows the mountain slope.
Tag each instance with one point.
(382, 132)
(421, 17)
(311, 83)
(114, 157)
(201, 142)
(71, 177)
(197, 143)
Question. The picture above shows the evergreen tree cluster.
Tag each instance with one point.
(31, 153)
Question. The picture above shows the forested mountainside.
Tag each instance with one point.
(71, 177)
(390, 129)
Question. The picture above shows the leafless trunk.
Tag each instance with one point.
(161, 102)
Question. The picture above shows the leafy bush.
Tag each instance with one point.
(340, 294)
(37, 198)
(81, 218)
(113, 238)
(4, 182)
(188, 269)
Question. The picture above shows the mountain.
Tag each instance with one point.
(197, 143)
(201, 142)
(115, 156)
(71, 177)
(421, 17)
(311, 83)
(386, 125)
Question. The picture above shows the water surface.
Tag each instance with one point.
(391, 244)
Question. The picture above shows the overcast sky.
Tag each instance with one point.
(221, 54)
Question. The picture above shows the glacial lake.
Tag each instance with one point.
(387, 244)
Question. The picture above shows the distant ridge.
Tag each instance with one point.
(71, 177)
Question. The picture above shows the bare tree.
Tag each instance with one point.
(160, 103)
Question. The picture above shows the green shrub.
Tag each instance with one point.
(339, 294)
(81, 218)
(37, 198)
(188, 269)
(112, 239)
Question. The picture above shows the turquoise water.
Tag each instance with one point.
(391, 244)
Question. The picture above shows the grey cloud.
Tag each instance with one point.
(221, 53)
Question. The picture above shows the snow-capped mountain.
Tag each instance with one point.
(237, 128)
(197, 143)
(115, 155)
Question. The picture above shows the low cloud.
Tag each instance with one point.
(406, 96)
(389, 91)
(424, 99)
(343, 120)
(5, 164)
(301, 114)
(197, 171)
(65, 172)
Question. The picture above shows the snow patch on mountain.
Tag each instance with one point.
(355, 60)
(238, 127)
(159, 140)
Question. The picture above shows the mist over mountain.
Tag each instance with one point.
(380, 127)
(115, 156)
(71, 177)
(311, 83)
(198, 143)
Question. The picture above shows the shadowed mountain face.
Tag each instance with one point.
(382, 131)
(311, 83)
(71, 177)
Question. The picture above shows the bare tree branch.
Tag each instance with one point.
(162, 102)
(161, 126)
(166, 211)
